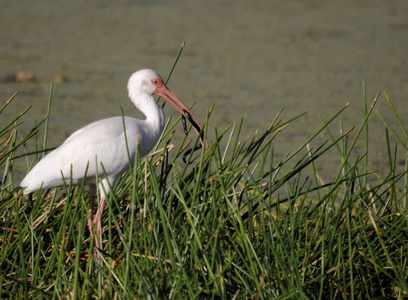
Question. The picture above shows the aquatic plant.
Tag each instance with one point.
(233, 223)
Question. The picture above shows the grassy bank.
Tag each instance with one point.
(235, 223)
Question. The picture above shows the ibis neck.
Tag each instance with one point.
(152, 111)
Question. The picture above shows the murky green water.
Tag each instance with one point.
(248, 58)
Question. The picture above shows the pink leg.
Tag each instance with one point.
(97, 222)
(90, 218)
(93, 220)
(96, 219)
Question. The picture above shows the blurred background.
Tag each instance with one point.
(248, 58)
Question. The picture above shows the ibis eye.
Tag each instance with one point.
(155, 81)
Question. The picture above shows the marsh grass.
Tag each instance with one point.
(235, 223)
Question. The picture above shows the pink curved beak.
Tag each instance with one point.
(164, 92)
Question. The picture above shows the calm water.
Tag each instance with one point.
(248, 59)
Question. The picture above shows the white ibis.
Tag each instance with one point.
(101, 146)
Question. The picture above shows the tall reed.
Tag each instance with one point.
(236, 222)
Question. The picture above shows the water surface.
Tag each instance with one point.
(247, 58)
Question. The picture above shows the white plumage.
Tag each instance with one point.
(103, 143)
